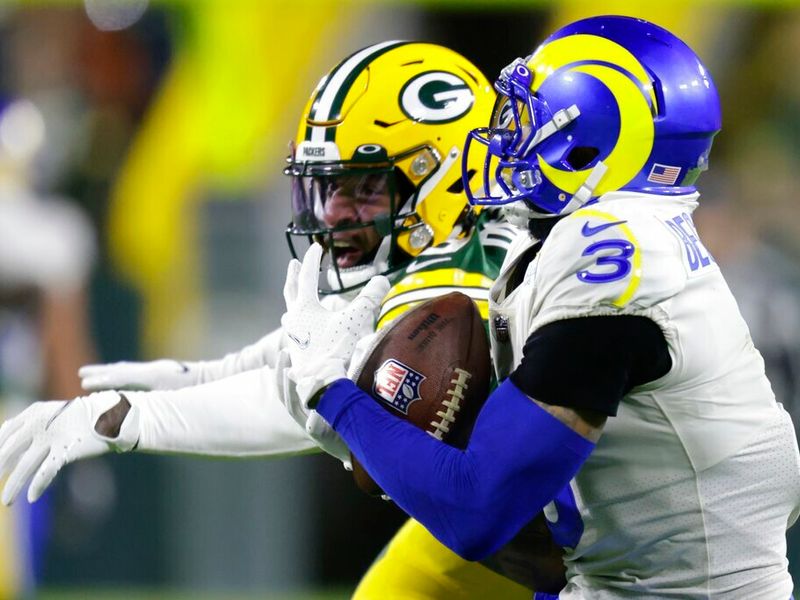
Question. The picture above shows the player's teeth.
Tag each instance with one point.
(340, 244)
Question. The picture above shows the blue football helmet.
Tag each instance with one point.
(607, 103)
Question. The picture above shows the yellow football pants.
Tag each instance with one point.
(415, 566)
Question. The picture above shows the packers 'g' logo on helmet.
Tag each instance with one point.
(436, 97)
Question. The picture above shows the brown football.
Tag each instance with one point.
(431, 367)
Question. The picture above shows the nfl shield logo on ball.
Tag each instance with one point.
(397, 384)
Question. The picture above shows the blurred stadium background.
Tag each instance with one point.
(166, 123)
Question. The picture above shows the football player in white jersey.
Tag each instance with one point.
(397, 162)
(634, 409)
(376, 175)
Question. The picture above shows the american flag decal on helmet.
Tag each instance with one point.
(664, 174)
(397, 384)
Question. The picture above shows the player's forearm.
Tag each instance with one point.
(262, 353)
(237, 416)
(519, 457)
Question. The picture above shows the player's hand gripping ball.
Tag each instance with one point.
(431, 367)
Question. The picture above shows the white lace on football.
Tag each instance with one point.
(451, 406)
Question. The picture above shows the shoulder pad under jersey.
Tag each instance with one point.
(607, 260)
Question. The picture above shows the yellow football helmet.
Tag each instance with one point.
(376, 164)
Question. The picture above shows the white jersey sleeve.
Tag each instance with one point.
(237, 416)
(235, 410)
(262, 353)
(259, 354)
(603, 262)
(170, 374)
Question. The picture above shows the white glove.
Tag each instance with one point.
(164, 374)
(321, 341)
(362, 352)
(44, 437)
(314, 425)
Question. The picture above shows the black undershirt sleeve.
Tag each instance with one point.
(592, 362)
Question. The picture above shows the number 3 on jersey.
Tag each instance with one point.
(613, 264)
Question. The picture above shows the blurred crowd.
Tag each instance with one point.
(141, 215)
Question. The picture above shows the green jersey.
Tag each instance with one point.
(467, 262)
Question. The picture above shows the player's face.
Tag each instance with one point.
(349, 201)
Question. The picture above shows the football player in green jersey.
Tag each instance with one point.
(376, 178)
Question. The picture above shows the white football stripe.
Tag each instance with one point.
(428, 293)
(325, 102)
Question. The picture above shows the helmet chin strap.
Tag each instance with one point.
(586, 191)
(519, 213)
(560, 119)
(361, 274)
(429, 184)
